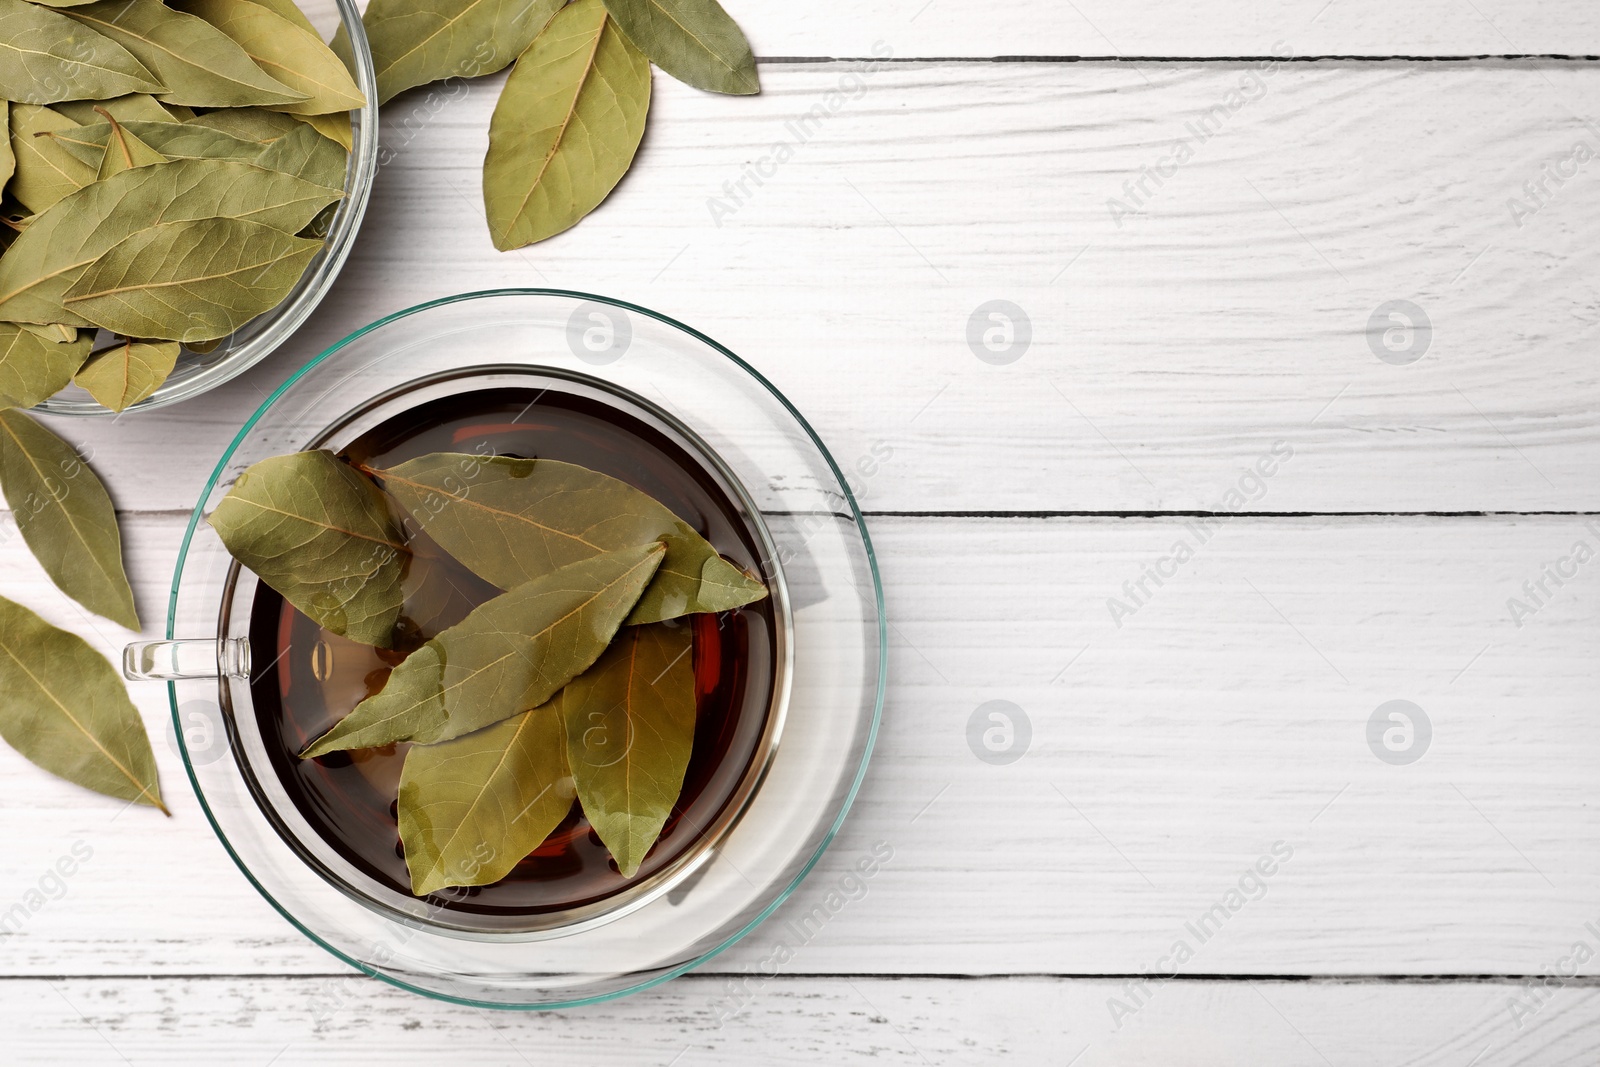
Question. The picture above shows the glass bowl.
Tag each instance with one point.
(829, 636)
(197, 372)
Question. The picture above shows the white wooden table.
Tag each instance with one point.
(1221, 313)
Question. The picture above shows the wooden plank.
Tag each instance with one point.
(800, 1020)
(1168, 352)
(1164, 759)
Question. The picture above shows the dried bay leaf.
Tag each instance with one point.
(291, 54)
(470, 809)
(174, 140)
(321, 535)
(511, 520)
(629, 723)
(335, 127)
(288, 9)
(65, 517)
(565, 128)
(509, 654)
(193, 280)
(60, 243)
(133, 107)
(45, 171)
(124, 151)
(34, 366)
(127, 372)
(419, 41)
(695, 41)
(306, 154)
(196, 62)
(248, 123)
(68, 712)
(8, 158)
(46, 56)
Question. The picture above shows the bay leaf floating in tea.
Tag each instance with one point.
(511, 520)
(565, 128)
(46, 56)
(695, 41)
(471, 808)
(510, 653)
(321, 535)
(127, 372)
(65, 516)
(629, 723)
(67, 710)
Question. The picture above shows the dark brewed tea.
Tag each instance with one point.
(311, 677)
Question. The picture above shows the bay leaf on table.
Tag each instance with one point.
(34, 366)
(321, 535)
(127, 372)
(67, 711)
(415, 42)
(565, 128)
(61, 242)
(132, 107)
(65, 517)
(46, 56)
(629, 723)
(695, 41)
(470, 809)
(509, 654)
(174, 140)
(193, 280)
(306, 154)
(291, 54)
(124, 151)
(511, 520)
(45, 171)
(247, 123)
(195, 62)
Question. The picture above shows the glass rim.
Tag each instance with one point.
(878, 600)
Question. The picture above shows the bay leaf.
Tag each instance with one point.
(192, 280)
(306, 154)
(321, 535)
(247, 123)
(62, 3)
(565, 128)
(419, 41)
(127, 372)
(695, 41)
(34, 366)
(68, 712)
(196, 62)
(629, 731)
(509, 654)
(334, 127)
(65, 517)
(124, 151)
(45, 171)
(511, 520)
(288, 9)
(46, 56)
(173, 140)
(62, 241)
(133, 107)
(470, 809)
(8, 158)
(291, 54)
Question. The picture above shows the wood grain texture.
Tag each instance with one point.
(1166, 353)
(697, 1021)
(1166, 757)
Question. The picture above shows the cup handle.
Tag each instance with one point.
(175, 661)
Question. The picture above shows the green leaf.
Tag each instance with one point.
(470, 809)
(134, 107)
(695, 41)
(190, 280)
(629, 732)
(68, 712)
(65, 517)
(127, 372)
(335, 128)
(290, 10)
(124, 151)
(321, 535)
(34, 366)
(195, 61)
(511, 520)
(248, 123)
(306, 154)
(45, 57)
(509, 654)
(566, 127)
(174, 140)
(290, 53)
(419, 41)
(45, 171)
(61, 242)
